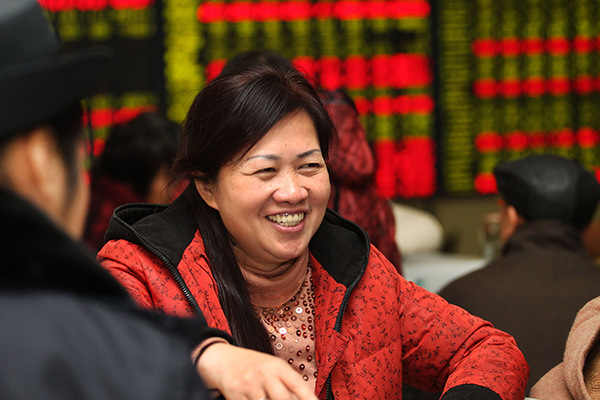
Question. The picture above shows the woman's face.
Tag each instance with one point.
(273, 200)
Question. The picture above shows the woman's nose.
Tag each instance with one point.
(290, 189)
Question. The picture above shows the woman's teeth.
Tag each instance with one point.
(287, 220)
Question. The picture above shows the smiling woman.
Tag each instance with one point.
(273, 200)
(251, 248)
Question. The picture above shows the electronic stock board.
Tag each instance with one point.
(445, 88)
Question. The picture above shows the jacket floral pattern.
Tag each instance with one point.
(373, 328)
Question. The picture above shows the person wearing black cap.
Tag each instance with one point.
(544, 275)
(69, 330)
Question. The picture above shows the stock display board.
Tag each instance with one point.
(132, 29)
(514, 77)
(445, 88)
(378, 50)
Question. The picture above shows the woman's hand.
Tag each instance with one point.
(242, 374)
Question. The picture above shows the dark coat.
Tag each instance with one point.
(69, 330)
(533, 291)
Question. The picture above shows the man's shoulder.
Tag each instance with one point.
(473, 281)
(78, 347)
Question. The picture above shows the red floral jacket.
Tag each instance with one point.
(373, 329)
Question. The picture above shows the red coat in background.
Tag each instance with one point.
(352, 169)
(105, 195)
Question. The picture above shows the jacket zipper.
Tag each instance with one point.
(338, 323)
(175, 273)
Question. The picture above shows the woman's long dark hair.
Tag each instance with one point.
(226, 119)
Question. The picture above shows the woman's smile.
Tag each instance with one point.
(286, 219)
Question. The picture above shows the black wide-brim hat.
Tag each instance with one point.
(549, 187)
(36, 79)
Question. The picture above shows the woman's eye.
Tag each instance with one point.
(311, 165)
(265, 171)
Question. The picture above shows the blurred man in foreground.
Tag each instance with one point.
(69, 331)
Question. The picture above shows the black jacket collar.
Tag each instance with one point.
(341, 246)
(37, 254)
(543, 235)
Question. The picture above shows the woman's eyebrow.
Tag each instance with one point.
(274, 157)
(308, 153)
(267, 156)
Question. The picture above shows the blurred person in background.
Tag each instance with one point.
(591, 239)
(352, 174)
(134, 167)
(543, 275)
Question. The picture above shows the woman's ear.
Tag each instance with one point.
(206, 192)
